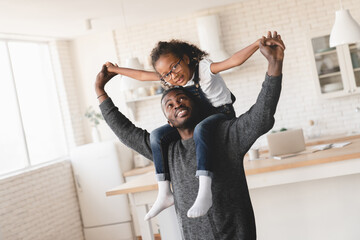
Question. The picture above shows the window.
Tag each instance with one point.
(31, 127)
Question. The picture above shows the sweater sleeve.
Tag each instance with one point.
(259, 119)
(135, 138)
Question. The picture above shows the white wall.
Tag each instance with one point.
(90, 52)
(241, 24)
(40, 204)
(67, 88)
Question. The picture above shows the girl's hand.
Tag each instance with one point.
(102, 78)
(111, 67)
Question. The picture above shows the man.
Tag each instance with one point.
(231, 215)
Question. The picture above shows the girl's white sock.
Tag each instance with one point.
(164, 200)
(203, 200)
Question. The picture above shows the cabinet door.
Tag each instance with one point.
(352, 60)
(331, 77)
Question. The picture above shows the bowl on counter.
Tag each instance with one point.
(331, 87)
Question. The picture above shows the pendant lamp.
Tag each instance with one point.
(345, 30)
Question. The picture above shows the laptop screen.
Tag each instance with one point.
(287, 142)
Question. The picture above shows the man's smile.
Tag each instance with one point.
(181, 112)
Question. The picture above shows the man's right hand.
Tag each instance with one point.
(101, 79)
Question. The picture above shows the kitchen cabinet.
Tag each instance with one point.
(336, 70)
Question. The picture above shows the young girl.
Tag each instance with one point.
(179, 63)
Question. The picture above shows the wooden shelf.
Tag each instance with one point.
(329, 74)
(354, 47)
(325, 53)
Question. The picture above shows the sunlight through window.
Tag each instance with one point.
(32, 130)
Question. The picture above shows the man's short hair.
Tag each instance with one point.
(195, 100)
(202, 110)
(179, 88)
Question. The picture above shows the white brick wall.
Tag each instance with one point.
(40, 205)
(68, 92)
(241, 24)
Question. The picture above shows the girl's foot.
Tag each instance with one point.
(164, 200)
(203, 200)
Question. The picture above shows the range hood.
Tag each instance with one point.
(209, 33)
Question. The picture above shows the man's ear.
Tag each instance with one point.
(186, 59)
(170, 123)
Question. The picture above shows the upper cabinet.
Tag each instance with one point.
(336, 70)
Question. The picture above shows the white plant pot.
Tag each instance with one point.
(95, 134)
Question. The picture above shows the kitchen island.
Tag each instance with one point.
(309, 196)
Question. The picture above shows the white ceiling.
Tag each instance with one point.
(67, 18)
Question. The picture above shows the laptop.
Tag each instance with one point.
(287, 142)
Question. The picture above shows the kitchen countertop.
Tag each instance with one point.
(265, 164)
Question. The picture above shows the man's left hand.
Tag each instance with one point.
(272, 47)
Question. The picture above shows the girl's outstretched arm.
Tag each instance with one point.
(236, 59)
(241, 56)
(140, 75)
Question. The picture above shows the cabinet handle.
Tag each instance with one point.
(349, 91)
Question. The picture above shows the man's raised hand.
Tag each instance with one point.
(103, 77)
(272, 47)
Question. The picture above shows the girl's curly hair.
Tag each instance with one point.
(178, 49)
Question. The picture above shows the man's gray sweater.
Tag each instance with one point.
(231, 216)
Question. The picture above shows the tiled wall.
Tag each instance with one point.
(40, 204)
(241, 24)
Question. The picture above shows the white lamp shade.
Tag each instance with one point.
(345, 30)
(209, 33)
(128, 83)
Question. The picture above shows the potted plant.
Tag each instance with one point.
(94, 118)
